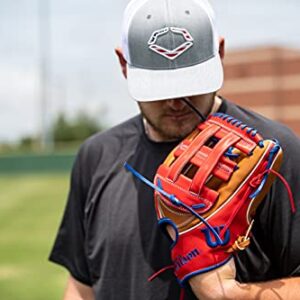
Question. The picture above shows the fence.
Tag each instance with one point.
(36, 163)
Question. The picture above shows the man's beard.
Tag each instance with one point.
(172, 131)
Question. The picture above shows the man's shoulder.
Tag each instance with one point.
(109, 145)
(268, 128)
(115, 135)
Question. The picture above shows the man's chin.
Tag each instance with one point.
(172, 134)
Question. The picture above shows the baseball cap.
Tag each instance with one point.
(171, 48)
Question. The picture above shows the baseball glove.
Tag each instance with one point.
(208, 190)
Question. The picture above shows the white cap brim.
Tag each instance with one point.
(151, 85)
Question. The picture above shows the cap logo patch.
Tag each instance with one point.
(168, 53)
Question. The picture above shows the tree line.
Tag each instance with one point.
(66, 131)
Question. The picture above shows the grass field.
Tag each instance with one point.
(30, 211)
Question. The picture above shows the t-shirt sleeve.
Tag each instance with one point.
(69, 246)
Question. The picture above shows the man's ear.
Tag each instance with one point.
(122, 61)
(222, 47)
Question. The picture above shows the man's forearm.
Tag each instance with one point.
(219, 284)
(287, 288)
(76, 290)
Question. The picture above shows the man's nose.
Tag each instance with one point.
(175, 104)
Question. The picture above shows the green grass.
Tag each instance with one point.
(31, 207)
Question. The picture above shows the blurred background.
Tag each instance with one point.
(60, 82)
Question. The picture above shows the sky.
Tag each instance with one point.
(82, 70)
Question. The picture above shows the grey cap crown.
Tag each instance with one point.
(154, 15)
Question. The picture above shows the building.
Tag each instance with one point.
(266, 80)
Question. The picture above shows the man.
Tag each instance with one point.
(109, 239)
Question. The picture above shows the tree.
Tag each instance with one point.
(80, 128)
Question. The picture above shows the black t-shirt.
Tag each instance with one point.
(109, 238)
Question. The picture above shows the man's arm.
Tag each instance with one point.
(220, 284)
(78, 291)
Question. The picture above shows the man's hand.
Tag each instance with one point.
(221, 284)
(217, 284)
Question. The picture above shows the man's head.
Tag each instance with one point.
(171, 50)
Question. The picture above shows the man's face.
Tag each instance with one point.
(172, 119)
